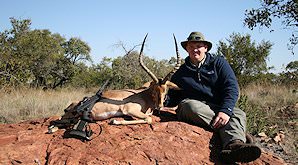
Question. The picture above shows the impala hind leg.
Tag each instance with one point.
(127, 122)
(143, 118)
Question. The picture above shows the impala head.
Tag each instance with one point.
(159, 87)
(69, 117)
(70, 112)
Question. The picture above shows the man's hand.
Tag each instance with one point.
(221, 120)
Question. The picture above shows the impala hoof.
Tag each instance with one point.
(115, 122)
(52, 129)
(149, 120)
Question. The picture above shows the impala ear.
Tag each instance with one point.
(147, 84)
(171, 85)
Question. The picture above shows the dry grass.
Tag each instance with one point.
(17, 105)
(271, 96)
(271, 105)
(23, 104)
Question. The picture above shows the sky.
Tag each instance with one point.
(104, 23)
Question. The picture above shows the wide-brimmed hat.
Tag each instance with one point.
(196, 37)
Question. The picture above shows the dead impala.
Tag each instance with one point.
(138, 103)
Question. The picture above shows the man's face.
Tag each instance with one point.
(196, 51)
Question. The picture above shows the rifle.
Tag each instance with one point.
(84, 107)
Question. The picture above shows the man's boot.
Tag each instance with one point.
(238, 151)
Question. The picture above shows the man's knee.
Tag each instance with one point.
(239, 113)
(192, 106)
(239, 119)
(194, 112)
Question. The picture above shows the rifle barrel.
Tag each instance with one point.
(102, 87)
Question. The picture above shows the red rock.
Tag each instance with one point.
(166, 141)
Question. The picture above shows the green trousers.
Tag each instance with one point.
(202, 114)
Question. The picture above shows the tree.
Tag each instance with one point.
(12, 69)
(128, 73)
(94, 75)
(247, 59)
(41, 52)
(284, 10)
(292, 66)
(38, 57)
(292, 72)
(290, 76)
(77, 50)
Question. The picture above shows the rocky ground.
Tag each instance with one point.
(166, 141)
(284, 141)
(283, 148)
